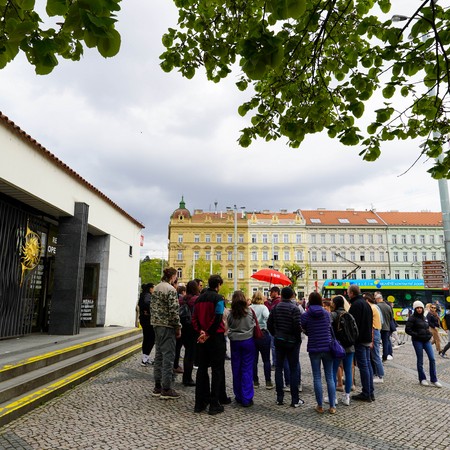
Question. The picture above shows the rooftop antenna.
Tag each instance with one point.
(215, 207)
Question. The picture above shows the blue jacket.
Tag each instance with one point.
(316, 323)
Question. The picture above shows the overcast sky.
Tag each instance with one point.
(145, 138)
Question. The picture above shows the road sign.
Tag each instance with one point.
(434, 274)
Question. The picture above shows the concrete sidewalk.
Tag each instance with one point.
(115, 410)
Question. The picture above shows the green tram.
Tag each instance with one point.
(400, 293)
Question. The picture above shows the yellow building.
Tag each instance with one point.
(277, 240)
(324, 244)
(203, 243)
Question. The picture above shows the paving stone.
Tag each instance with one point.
(115, 410)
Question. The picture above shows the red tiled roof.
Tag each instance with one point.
(350, 217)
(52, 158)
(425, 219)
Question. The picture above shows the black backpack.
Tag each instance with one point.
(346, 329)
(185, 313)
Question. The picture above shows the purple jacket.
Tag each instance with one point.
(316, 323)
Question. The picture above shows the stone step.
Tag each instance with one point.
(45, 376)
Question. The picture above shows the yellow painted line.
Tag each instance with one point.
(62, 351)
(35, 396)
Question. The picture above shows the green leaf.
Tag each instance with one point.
(27, 5)
(242, 85)
(388, 91)
(109, 45)
(57, 7)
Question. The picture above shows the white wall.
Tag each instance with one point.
(23, 166)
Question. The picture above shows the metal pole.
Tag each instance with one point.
(211, 262)
(235, 248)
(442, 182)
(445, 208)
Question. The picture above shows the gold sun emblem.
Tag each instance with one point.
(31, 252)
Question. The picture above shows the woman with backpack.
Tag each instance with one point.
(337, 313)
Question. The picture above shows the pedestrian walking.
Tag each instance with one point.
(417, 327)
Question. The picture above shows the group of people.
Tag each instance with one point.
(258, 327)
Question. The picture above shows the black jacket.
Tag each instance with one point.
(362, 313)
(417, 327)
(284, 322)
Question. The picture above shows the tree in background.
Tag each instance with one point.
(91, 22)
(202, 270)
(150, 270)
(311, 66)
(295, 273)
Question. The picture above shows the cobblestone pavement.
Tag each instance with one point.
(115, 410)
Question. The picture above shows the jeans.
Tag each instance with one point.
(347, 363)
(263, 346)
(292, 356)
(286, 371)
(210, 354)
(419, 347)
(326, 359)
(377, 365)
(165, 342)
(362, 358)
(387, 344)
(242, 357)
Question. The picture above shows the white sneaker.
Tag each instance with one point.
(424, 383)
(395, 347)
(327, 400)
(389, 357)
(378, 380)
(345, 400)
(437, 384)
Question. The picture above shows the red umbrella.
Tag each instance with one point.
(272, 276)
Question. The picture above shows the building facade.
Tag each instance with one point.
(69, 255)
(325, 244)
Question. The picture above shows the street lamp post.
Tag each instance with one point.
(235, 243)
(442, 182)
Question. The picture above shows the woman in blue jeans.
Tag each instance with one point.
(417, 327)
(347, 361)
(316, 323)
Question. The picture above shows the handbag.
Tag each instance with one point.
(336, 349)
(257, 333)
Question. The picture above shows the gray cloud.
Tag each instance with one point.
(145, 138)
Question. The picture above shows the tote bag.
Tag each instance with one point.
(336, 349)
